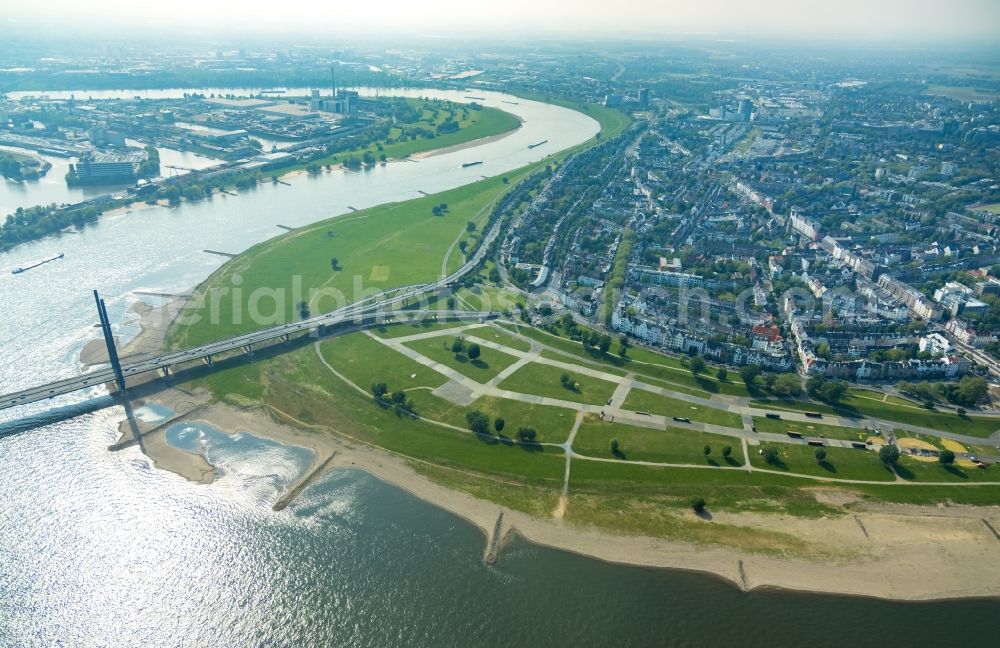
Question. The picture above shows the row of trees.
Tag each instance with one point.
(35, 222)
(397, 399)
(968, 391)
(479, 424)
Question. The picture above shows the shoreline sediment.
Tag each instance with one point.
(913, 552)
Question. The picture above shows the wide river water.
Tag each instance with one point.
(102, 549)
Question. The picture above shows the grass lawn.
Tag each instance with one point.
(993, 208)
(544, 380)
(299, 386)
(405, 329)
(487, 366)
(961, 93)
(809, 429)
(673, 445)
(643, 362)
(656, 382)
(669, 516)
(386, 246)
(840, 463)
(552, 423)
(487, 298)
(365, 361)
(472, 125)
(497, 335)
(582, 361)
(539, 501)
(639, 400)
(934, 471)
(787, 405)
(865, 404)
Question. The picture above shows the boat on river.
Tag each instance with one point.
(20, 269)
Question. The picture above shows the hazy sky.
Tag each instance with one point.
(867, 19)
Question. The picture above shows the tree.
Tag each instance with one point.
(498, 424)
(833, 391)
(473, 351)
(526, 433)
(787, 384)
(830, 391)
(727, 451)
(722, 374)
(303, 309)
(749, 374)
(960, 411)
(623, 345)
(698, 505)
(470, 227)
(771, 455)
(335, 264)
(616, 448)
(458, 345)
(971, 390)
(697, 365)
(889, 454)
(398, 397)
(379, 390)
(478, 422)
(820, 455)
(605, 344)
(947, 457)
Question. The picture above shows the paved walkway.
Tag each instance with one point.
(650, 421)
(463, 391)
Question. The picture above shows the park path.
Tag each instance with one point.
(463, 390)
(582, 410)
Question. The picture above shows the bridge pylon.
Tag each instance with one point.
(109, 341)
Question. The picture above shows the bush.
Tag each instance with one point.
(526, 433)
(478, 422)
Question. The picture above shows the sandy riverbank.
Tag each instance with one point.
(464, 145)
(894, 552)
(888, 551)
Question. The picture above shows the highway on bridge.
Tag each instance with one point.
(372, 305)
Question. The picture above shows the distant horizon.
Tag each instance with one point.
(846, 21)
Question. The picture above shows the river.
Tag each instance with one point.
(102, 549)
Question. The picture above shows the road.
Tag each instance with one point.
(381, 303)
